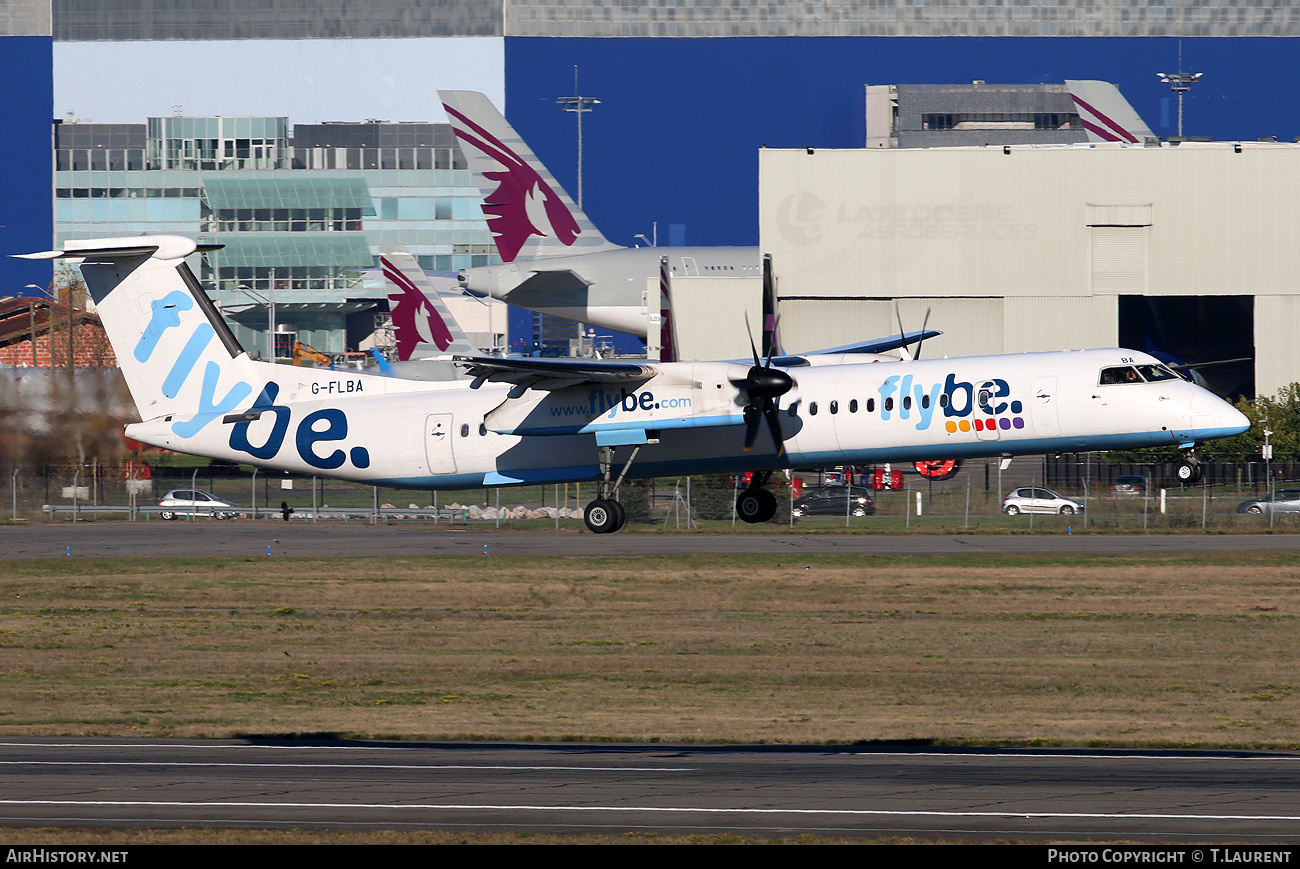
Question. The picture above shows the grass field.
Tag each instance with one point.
(1030, 650)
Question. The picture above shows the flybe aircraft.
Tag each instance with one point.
(554, 260)
(542, 420)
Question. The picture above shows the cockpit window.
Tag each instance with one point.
(1154, 373)
(1124, 374)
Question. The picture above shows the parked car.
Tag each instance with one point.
(1129, 484)
(195, 502)
(1281, 501)
(834, 501)
(1036, 499)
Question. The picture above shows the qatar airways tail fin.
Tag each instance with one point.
(1106, 115)
(422, 325)
(528, 212)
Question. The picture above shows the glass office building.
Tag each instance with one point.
(301, 213)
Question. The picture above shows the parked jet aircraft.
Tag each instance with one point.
(1106, 114)
(554, 259)
(426, 333)
(540, 420)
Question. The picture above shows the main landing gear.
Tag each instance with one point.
(605, 515)
(756, 504)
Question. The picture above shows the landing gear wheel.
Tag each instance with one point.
(756, 505)
(604, 516)
(1188, 472)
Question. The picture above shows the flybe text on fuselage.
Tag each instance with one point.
(907, 398)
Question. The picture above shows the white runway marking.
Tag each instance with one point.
(422, 767)
(656, 809)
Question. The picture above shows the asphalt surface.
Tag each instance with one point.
(245, 538)
(1234, 798)
(928, 793)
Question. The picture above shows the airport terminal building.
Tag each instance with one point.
(301, 212)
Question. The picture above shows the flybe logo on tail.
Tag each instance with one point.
(315, 432)
(523, 204)
(415, 322)
(166, 314)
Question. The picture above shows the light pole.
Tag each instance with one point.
(1180, 82)
(579, 105)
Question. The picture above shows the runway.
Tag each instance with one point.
(332, 540)
(1231, 798)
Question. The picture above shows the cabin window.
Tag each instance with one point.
(853, 406)
(871, 405)
(482, 429)
(812, 408)
(464, 430)
(835, 407)
(943, 399)
(889, 404)
(907, 402)
(925, 400)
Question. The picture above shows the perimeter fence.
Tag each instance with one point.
(970, 500)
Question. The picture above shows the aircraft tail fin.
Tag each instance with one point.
(528, 212)
(667, 327)
(421, 322)
(1106, 115)
(176, 352)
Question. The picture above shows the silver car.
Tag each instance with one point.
(1281, 501)
(195, 502)
(1036, 499)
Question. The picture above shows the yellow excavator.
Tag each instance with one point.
(303, 351)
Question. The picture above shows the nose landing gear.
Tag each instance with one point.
(1188, 472)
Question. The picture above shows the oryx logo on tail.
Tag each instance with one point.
(523, 204)
(414, 321)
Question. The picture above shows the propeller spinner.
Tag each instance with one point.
(764, 385)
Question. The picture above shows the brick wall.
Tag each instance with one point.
(90, 348)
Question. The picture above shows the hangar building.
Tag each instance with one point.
(1181, 249)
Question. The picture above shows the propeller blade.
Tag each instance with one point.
(902, 350)
(752, 418)
(917, 353)
(773, 414)
(750, 332)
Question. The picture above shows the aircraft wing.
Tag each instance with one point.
(553, 374)
(881, 345)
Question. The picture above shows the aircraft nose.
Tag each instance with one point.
(1224, 419)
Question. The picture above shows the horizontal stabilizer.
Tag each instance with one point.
(551, 374)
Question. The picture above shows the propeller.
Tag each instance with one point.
(911, 354)
(764, 385)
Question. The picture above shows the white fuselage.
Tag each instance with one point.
(688, 419)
